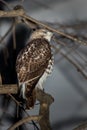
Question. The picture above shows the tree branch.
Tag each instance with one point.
(6, 89)
(82, 126)
(25, 120)
(12, 13)
(45, 101)
(21, 13)
(43, 118)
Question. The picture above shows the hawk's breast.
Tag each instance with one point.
(47, 72)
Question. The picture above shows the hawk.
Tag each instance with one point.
(34, 63)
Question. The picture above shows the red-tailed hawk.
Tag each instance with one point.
(33, 65)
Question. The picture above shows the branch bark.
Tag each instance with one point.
(45, 101)
(24, 120)
(9, 89)
(21, 13)
(12, 13)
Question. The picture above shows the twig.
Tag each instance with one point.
(21, 13)
(69, 59)
(25, 120)
(32, 25)
(53, 30)
(5, 3)
(17, 102)
(83, 126)
(14, 35)
(45, 102)
(19, 105)
(77, 67)
(9, 30)
(0, 79)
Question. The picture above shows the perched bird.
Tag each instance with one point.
(34, 63)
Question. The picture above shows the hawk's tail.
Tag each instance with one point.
(31, 100)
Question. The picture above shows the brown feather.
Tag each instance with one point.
(32, 62)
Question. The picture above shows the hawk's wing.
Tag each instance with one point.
(33, 60)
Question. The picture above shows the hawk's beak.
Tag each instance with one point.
(50, 34)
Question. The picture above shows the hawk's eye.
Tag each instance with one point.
(34, 29)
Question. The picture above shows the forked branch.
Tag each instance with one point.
(20, 12)
(43, 118)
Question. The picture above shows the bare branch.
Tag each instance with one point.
(53, 30)
(83, 126)
(9, 30)
(45, 101)
(6, 89)
(12, 13)
(78, 67)
(5, 3)
(25, 120)
(21, 13)
(14, 36)
(0, 79)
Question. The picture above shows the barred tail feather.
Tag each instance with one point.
(31, 100)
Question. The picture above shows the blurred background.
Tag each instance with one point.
(67, 85)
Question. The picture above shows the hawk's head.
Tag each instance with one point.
(41, 33)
